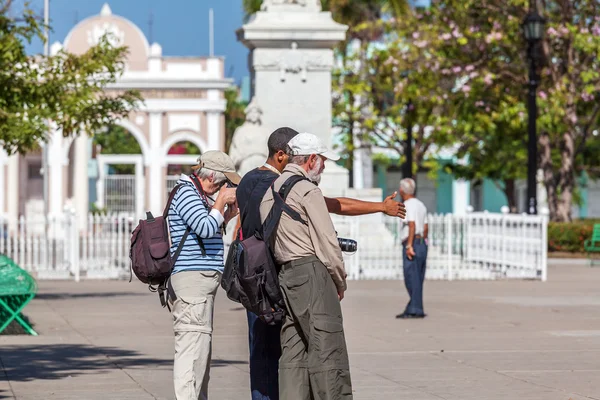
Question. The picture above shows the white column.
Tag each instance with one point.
(155, 163)
(81, 192)
(100, 182)
(12, 196)
(139, 188)
(56, 164)
(214, 130)
(460, 200)
(357, 170)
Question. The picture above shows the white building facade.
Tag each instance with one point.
(184, 102)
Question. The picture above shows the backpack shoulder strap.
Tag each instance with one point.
(180, 247)
(279, 206)
(170, 200)
(289, 184)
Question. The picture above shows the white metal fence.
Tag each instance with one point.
(119, 193)
(100, 252)
(171, 182)
(474, 246)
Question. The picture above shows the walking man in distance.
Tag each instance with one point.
(414, 249)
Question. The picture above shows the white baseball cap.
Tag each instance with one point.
(305, 144)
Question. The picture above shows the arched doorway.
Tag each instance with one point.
(31, 184)
(119, 185)
(181, 156)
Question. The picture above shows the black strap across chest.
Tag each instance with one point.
(280, 206)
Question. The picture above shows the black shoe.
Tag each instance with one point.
(404, 315)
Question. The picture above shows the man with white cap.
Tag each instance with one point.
(314, 361)
(198, 221)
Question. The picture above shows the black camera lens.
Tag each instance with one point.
(347, 245)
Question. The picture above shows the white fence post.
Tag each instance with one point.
(544, 249)
(504, 221)
(449, 241)
(75, 257)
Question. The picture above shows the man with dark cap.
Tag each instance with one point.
(265, 342)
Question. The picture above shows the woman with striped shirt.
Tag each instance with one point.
(198, 269)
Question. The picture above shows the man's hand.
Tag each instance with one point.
(410, 252)
(394, 208)
(340, 295)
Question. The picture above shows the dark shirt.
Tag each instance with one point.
(249, 194)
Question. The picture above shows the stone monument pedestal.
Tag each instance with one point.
(291, 59)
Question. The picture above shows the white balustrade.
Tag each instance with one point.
(472, 246)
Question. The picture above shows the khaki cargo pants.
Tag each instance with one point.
(314, 361)
(192, 324)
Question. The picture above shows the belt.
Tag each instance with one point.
(416, 239)
(301, 261)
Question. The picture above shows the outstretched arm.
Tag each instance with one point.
(346, 206)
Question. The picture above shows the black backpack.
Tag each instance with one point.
(250, 276)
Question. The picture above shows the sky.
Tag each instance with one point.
(179, 26)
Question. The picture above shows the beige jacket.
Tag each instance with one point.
(294, 240)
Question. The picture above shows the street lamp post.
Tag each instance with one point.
(408, 164)
(533, 30)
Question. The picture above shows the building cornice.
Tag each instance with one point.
(171, 83)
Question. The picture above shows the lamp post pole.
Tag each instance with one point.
(533, 30)
(408, 164)
(532, 134)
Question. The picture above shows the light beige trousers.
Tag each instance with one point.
(192, 324)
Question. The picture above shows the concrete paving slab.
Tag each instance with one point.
(523, 340)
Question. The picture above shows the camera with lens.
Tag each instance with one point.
(347, 245)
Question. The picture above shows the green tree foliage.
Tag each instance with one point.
(66, 89)
(235, 114)
(116, 140)
(382, 88)
(471, 55)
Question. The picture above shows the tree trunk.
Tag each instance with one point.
(549, 178)
(511, 198)
(567, 178)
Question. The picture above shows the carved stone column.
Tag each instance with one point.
(291, 43)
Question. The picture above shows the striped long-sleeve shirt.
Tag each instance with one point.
(189, 209)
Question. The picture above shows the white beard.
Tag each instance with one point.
(314, 174)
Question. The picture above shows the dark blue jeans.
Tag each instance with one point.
(414, 275)
(265, 350)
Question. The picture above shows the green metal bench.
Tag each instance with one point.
(593, 245)
(17, 289)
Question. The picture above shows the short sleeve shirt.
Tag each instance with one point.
(415, 212)
(249, 194)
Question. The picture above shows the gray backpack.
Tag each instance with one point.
(250, 276)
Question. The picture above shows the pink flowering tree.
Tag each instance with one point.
(481, 47)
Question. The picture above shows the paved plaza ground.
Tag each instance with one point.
(524, 340)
